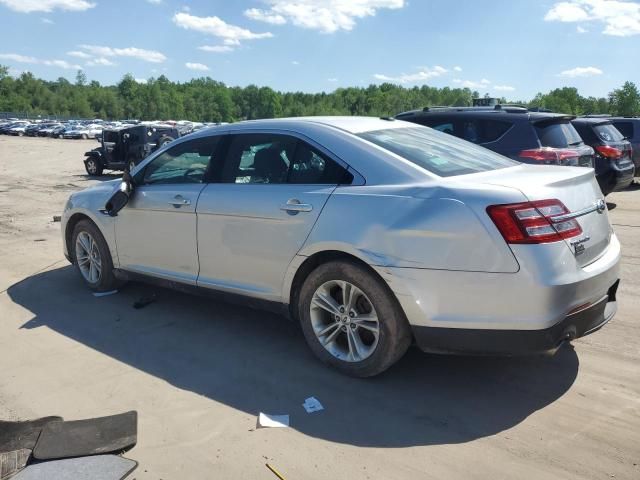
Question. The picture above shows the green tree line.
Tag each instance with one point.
(207, 100)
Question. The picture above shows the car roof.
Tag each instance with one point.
(592, 120)
(348, 124)
(506, 112)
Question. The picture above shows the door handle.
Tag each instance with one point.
(179, 201)
(293, 206)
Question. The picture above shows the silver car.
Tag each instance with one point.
(372, 233)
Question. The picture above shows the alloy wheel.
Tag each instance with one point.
(92, 167)
(88, 257)
(344, 321)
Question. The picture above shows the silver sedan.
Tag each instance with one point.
(372, 233)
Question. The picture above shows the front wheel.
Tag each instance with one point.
(351, 320)
(92, 257)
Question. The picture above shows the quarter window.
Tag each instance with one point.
(186, 162)
(626, 128)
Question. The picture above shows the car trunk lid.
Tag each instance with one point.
(577, 189)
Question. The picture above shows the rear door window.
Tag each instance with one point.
(484, 131)
(608, 133)
(626, 128)
(557, 135)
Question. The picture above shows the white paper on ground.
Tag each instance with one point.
(104, 294)
(273, 421)
(312, 404)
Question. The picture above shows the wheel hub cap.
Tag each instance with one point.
(88, 257)
(344, 321)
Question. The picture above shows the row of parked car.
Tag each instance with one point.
(81, 129)
(610, 145)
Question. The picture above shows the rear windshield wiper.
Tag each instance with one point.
(575, 143)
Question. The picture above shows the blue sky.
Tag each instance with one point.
(513, 48)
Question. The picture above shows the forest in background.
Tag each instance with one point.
(207, 100)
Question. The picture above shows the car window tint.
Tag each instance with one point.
(260, 158)
(626, 128)
(444, 127)
(441, 154)
(557, 135)
(312, 167)
(608, 133)
(186, 162)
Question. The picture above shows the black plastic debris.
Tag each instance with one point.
(112, 434)
(12, 462)
(144, 301)
(99, 467)
(20, 435)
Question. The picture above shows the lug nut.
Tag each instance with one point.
(341, 309)
(351, 314)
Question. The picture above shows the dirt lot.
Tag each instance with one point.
(198, 372)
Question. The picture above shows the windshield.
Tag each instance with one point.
(437, 152)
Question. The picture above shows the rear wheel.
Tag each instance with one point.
(85, 136)
(93, 166)
(351, 320)
(92, 257)
(164, 140)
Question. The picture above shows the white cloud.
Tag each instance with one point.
(295, 62)
(621, 18)
(425, 73)
(332, 80)
(327, 16)
(28, 6)
(231, 35)
(216, 48)
(140, 80)
(154, 2)
(457, 69)
(100, 62)
(581, 72)
(196, 66)
(48, 21)
(503, 88)
(139, 53)
(265, 16)
(581, 29)
(78, 54)
(36, 61)
(14, 57)
(484, 83)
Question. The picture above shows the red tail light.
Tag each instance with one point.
(532, 222)
(609, 152)
(551, 156)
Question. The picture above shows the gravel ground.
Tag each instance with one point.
(199, 372)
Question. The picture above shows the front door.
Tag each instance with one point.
(156, 231)
(252, 225)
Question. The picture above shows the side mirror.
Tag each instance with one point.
(120, 198)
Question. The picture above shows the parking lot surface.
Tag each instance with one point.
(198, 371)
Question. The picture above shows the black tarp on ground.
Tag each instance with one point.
(98, 467)
(19, 435)
(112, 434)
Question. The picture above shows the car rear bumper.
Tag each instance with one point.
(519, 342)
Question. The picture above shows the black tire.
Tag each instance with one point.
(395, 333)
(164, 140)
(131, 163)
(107, 280)
(93, 166)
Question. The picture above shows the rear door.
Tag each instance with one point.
(252, 225)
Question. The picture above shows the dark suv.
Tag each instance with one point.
(513, 131)
(630, 128)
(124, 147)
(613, 159)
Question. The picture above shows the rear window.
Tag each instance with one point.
(437, 152)
(626, 128)
(608, 133)
(558, 135)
